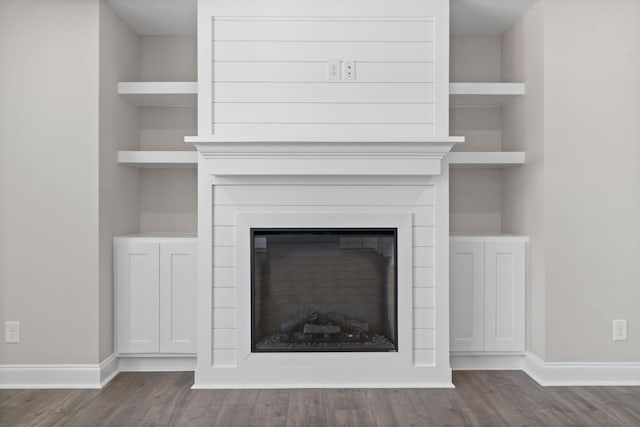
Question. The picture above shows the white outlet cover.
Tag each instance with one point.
(619, 330)
(334, 70)
(12, 332)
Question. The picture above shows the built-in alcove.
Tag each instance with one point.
(164, 89)
(324, 290)
(475, 189)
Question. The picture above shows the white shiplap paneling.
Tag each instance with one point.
(256, 51)
(422, 215)
(327, 195)
(305, 112)
(271, 76)
(224, 277)
(313, 29)
(423, 256)
(275, 130)
(424, 297)
(224, 357)
(322, 92)
(224, 318)
(423, 318)
(224, 297)
(316, 71)
(224, 256)
(225, 338)
(423, 236)
(224, 236)
(423, 277)
(424, 339)
(424, 357)
(419, 200)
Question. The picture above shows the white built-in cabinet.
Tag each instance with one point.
(155, 294)
(487, 266)
(155, 273)
(487, 288)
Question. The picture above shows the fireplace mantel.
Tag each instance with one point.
(391, 183)
(317, 157)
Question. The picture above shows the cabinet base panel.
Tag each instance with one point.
(487, 362)
(156, 363)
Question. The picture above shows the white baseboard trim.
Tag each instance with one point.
(581, 374)
(86, 376)
(156, 364)
(270, 386)
(97, 376)
(109, 368)
(486, 362)
(552, 373)
(49, 376)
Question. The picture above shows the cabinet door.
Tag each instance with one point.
(504, 296)
(137, 297)
(467, 295)
(178, 297)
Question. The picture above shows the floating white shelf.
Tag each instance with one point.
(489, 159)
(160, 94)
(160, 235)
(488, 237)
(483, 94)
(159, 159)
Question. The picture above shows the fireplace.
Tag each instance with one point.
(309, 163)
(270, 210)
(323, 290)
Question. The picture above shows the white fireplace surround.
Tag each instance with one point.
(249, 183)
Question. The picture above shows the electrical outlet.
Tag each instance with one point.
(12, 332)
(334, 70)
(619, 330)
(349, 69)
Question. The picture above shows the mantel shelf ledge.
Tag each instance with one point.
(419, 156)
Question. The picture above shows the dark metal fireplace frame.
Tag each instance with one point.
(324, 231)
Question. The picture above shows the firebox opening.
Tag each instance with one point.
(324, 290)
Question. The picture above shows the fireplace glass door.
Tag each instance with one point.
(323, 290)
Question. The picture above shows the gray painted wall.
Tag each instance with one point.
(592, 178)
(49, 154)
(578, 196)
(119, 130)
(523, 186)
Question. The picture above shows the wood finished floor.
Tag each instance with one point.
(496, 398)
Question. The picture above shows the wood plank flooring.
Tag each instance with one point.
(489, 398)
